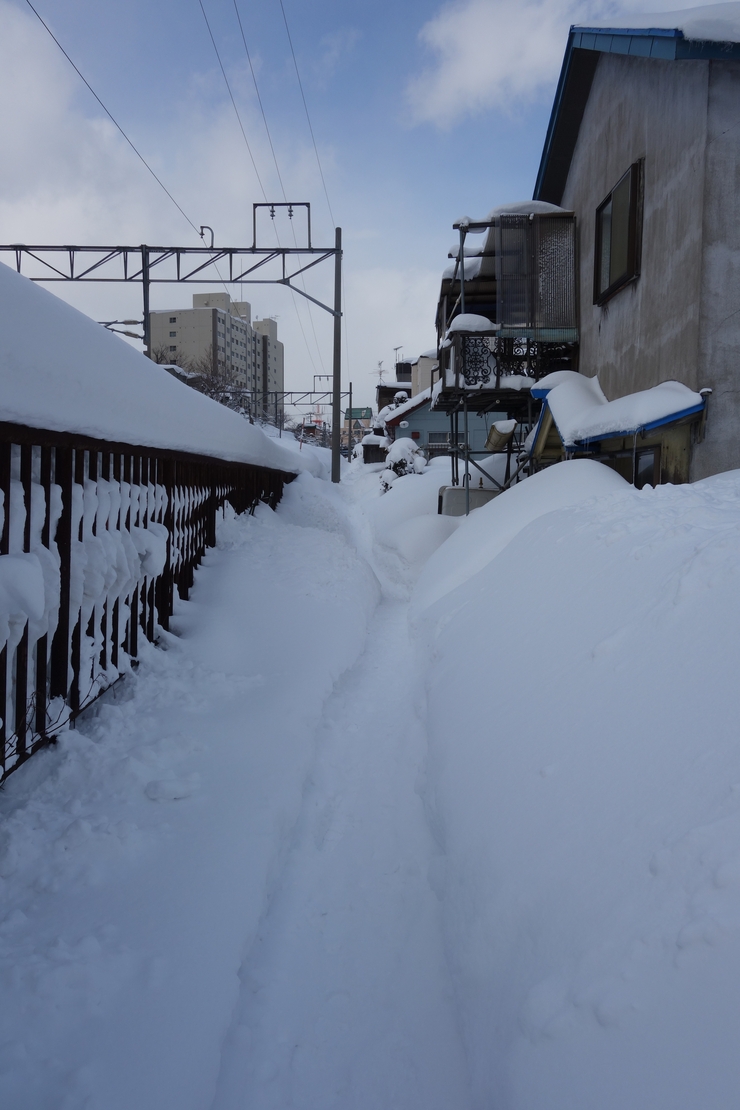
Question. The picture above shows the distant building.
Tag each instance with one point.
(217, 337)
(422, 369)
(359, 422)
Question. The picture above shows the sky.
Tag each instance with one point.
(421, 112)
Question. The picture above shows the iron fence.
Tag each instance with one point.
(95, 537)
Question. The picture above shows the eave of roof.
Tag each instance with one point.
(584, 47)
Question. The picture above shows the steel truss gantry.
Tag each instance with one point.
(151, 265)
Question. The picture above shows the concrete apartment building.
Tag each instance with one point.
(246, 353)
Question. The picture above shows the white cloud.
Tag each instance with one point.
(501, 54)
(68, 176)
(490, 54)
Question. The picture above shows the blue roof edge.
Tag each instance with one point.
(667, 44)
(649, 427)
(554, 114)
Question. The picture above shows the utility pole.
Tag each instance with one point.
(349, 427)
(336, 415)
(145, 291)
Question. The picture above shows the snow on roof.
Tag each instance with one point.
(429, 354)
(470, 321)
(582, 413)
(544, 385)
(712, 22)
(472, 269)
(411, 405)
(63, 372)
(525, 208)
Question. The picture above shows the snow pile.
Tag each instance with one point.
(713, 22)
(471, 322)
(582, 782)
(63, 372)
(582, 412)
(487, 531)
(402, 528)
(403, 458)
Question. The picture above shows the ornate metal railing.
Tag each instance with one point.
(95, 537)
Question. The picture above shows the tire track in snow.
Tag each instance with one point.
(345, 995)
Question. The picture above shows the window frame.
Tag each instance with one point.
(643, 452)
(634, 235)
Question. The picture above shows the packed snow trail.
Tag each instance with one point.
(346, 1000)
(152, 863)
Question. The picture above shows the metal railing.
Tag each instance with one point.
(95, 537)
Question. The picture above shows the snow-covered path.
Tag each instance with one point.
(345, 999)
(242, 813)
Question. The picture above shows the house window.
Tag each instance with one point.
(647, 467)
(618, 228)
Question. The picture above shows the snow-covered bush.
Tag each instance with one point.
(403, 457)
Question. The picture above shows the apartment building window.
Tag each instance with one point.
(173, 319)
(618, 235)
(173, 348)
(173, 334)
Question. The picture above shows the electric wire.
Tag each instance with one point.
(112, 118)
(321, 171)
(249, 149)
(285, 198)
(308, 118)
(236, 110)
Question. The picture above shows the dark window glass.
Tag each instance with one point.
(646, 467)
(617, 242)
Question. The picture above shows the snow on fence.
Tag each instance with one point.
(95, 537)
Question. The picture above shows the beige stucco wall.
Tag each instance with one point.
(656, 110)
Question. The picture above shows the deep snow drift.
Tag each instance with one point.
(63, 372)
(316, 855)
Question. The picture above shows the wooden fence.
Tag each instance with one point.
(95, 538)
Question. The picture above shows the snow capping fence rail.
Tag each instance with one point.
(95, 537)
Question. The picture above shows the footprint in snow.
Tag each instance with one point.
(172, 790)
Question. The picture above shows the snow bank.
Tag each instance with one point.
(487, 531)
(403, 527)
(63, 372)
(583, 784)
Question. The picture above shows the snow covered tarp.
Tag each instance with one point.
(63, 372)
(582, 413)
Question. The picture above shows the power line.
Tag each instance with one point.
(318, 163)
(308, 118)
(113, 120)
(246, 141)
(228, 86)
(259, 100)
(285, 198)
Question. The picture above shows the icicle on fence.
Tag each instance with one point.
(94, 539)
